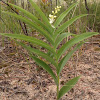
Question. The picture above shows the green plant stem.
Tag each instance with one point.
(57, 74)
(58, 87)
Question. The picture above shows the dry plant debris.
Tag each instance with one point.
(22, 80)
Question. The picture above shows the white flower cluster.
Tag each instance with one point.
(52, 16)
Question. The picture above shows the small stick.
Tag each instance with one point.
(24, 29)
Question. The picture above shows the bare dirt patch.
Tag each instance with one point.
(22, 79)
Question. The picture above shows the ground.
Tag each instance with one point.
(22, 79)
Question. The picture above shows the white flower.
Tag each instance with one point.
(56, 11)
(51, 21)
(58, 7)
(52, 16)
(53, 12)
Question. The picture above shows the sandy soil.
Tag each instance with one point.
(22, 79)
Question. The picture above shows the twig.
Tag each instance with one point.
(23, 28)
(86, 6)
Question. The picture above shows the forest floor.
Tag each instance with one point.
(22, 79)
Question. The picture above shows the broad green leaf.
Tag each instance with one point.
(61, 17)
(66, 24)
(45, 19)
(27, 21)
(39, 53)
(31, 16)
(73, 41)
(60, 38)
(45, 66)
(29, 39)
(68, 86)
(67, 57)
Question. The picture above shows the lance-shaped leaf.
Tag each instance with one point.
(60, 38)
(39, 53)
(66, 24)
(61, 17)
(45, 67)
(67, 57)
(27, 21)
(45, 19)
(73, 41)
(31, 16)
(29, 39)
(68, 86)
